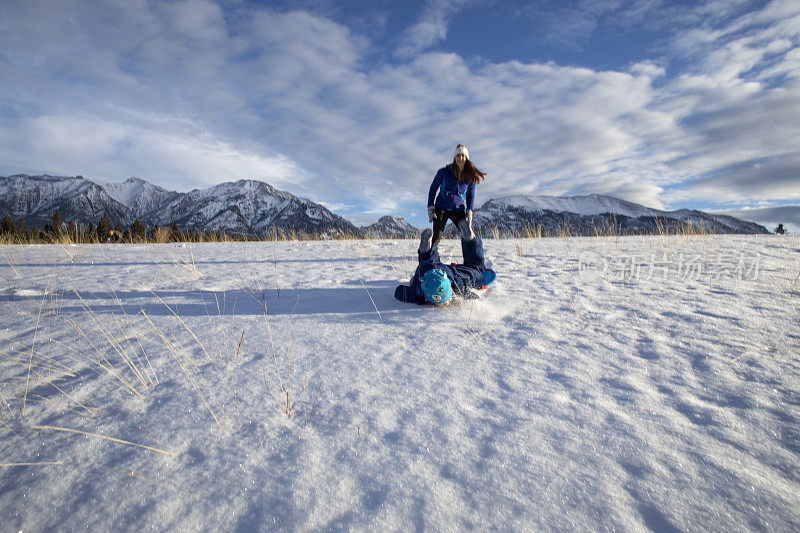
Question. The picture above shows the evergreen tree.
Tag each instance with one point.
(8, 226)
(138, 231)
(22, 233)
(57, 223)
(103, 227)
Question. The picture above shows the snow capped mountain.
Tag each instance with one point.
(390, 227)
(247, 207)
(36, 198)
(243, 207)
(592, 204)
(140, 196)
(593, 214)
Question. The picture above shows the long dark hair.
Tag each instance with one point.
(470, 172)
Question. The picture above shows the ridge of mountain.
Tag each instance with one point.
(391, 227)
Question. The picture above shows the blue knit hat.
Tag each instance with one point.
(436, 286)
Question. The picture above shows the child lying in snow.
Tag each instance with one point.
(434, 282)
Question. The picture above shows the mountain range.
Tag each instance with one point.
(254, 207)
(595, 214)
(244, 207)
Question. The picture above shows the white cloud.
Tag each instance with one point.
(430, 28)
(735, 138)
(754, 179)
(649, 69)
(198, 20)
(98, 149)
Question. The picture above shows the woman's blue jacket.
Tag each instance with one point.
(453, 195)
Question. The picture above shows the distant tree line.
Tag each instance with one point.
(59, 231)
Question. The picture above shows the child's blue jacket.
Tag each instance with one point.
(453, 195)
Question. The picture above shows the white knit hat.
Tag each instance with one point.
(461, 149)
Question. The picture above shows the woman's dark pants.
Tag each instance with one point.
(440, 218)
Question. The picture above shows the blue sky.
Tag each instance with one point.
(357, 104)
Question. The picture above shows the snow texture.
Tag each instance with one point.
(602, 384)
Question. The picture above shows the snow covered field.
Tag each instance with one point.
(604, 383)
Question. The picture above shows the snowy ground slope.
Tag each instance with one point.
(631, 383)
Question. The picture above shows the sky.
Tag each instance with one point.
(357, 104)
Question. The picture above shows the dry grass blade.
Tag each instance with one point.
(33, 353)
(112, 439)
(48, 366)
(14, 396)
(138, 339)
(76, 402)
(9, 262)
(5, 404)
(285, 404)
(216, 338)
(168, 272)
(59, 406)
(188, 265)
(73, 350)
(141, 374)
(289, 405)
(233, 383)
(370, 299)
(108, 367)
(238, 348)
(390, 264)
(187, 328)
(48, 363)
(176, 354)
(6, 427)
(112, 341)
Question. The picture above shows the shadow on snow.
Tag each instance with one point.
(372, 298)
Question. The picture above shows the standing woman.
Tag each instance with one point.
(455, 184)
